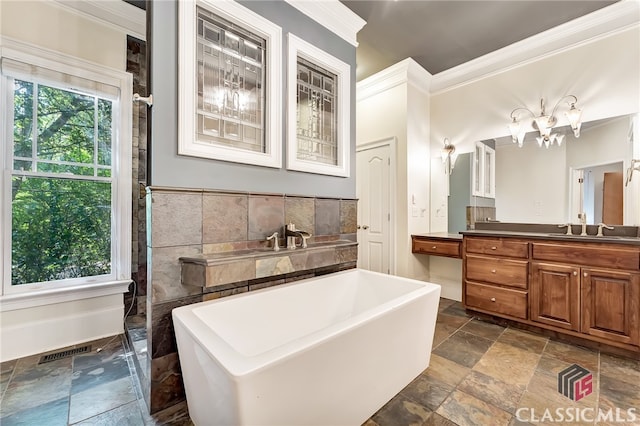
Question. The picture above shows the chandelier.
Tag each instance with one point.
(544, 123)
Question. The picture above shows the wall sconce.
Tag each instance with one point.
(544, 123)
(448, 156)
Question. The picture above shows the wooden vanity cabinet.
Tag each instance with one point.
(496, 276)
(437, 245)
(585, 289)
(611, 305)
(555, 295)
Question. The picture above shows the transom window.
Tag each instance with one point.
(230, 102)
(316, 116)
(230, 84)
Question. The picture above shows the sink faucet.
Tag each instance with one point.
(583, 221)
(274, 237)
(568, 225)
(291, 233)
(600, 226)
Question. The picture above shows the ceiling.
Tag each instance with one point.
(440, 34)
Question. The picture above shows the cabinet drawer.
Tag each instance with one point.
(437, 247)
(509, 272)
(498, 247)
(495, 299)
(594, 256)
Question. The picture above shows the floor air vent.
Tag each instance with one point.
(64, 354)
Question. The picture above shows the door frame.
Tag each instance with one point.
(576, 197)
(392, 142)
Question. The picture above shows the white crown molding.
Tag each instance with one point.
(333, 15)
(602, 23)
(405, 71)
(123, 16)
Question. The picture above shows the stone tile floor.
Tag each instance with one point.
(480, 374)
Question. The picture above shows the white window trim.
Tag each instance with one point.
(188, 143)
(299, 47)
(36, 294)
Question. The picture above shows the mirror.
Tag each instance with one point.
(541, 185)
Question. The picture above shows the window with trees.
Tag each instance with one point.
(65, 209)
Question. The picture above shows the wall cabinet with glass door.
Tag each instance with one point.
(483, 180)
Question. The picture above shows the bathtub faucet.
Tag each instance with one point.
(274, 237)
(291, 233)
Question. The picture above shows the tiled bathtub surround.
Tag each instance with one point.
(192, 223)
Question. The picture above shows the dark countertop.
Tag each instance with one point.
(440, 236)
(615, 239)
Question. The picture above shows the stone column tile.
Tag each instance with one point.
(163, 340)
(176, 218)
(167, 388)
(327, 216)
(301, 212)
(266, 216)
(165, 273)
(348, 216)
(232, 272)
(224, 218)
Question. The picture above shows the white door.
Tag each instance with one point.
(374, 213)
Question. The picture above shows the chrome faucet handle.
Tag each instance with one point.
(600, 226)
(274, 237)
(568, 225)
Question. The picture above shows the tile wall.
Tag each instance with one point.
(137, 66)
(183, 222)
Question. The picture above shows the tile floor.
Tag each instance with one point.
(480, 374)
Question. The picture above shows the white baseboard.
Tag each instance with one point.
(34, 330)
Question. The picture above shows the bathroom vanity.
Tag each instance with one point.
(437, 244)
(582, 286)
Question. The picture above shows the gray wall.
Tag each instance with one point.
(170, 169)
(459, 193)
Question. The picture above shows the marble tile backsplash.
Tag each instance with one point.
(191, 222)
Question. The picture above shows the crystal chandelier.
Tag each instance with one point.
(544, 123)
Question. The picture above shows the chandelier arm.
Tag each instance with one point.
(525, 109)
(575, 100)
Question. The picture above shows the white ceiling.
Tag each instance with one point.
(441, 34)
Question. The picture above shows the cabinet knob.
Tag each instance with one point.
(584, 274)
(365, 227)
(493, 271)
(433, 247)
(358, 227)
(493, 299)
(575, 273)
(493, 247)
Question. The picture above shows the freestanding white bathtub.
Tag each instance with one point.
(324, 351)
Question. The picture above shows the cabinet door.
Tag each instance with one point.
(477, 177)
(611, 305)
(555, 295)
(489, 178)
